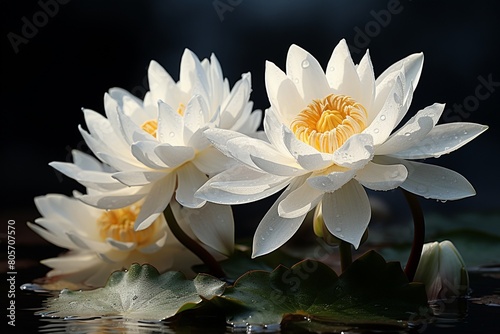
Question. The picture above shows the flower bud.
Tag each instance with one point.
(443, 271)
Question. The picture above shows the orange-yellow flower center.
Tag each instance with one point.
(151, 126)
(326, 124)
(118, 224)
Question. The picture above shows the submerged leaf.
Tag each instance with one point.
(369, 292)
(140, 293)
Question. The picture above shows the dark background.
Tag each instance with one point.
(58, 57)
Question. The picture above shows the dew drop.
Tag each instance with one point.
(376, 130)
(465, 132)
(332, 68)
(338, 229)
(407, 134)
(382, 118)
(305, 63)
(296, 80)
(171, 134)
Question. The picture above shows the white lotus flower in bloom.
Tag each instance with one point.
(157, 149)
(103, 241)
(329, 134)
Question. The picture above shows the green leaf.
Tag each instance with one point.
(140, 293)
(369, 292)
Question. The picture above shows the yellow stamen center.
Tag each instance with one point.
(151, 126)
(326, 124)
(118, 224)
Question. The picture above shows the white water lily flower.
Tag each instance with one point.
(157, 149)
(103, 241)
(443, 271)
(329, 134)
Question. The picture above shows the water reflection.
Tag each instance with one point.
(95, 326)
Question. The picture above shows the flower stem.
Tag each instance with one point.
(214, 267)
(345, 255)
(418, 235)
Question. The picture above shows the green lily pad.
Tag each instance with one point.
(140, 293)
(371, 291)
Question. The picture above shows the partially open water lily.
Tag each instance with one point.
(329, 134)
(443, 271)
(100, 242)
(157, 150)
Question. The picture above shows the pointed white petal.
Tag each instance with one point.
(239, 185)
(273, 231)
(101, 181)
(283, 94)
(307, 74)
(174, 156)
(385, 121)
(382, 177)
(211, 161)
(192, 74)
(155, 202)
(413, 131)
(412, 66)
(436, 182)
(443, 139)
(170, 125)
(356, 152)
(331, 179)
(341, 72)
(347, 212)
(144, 151)
(367, 81)
(161, 84)
(233, 107)
(189, 180)
(111, 200)
(306, 155)
(212, 224)
(138, 178)
(120, 245)
(300, 201)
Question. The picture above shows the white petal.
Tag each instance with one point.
(174, 156)
(443, 139)
(220, 139)
(144, 151)
(367, 81)
(341, 72)
(239, 185)
(233, 107)
(307, 156)
(273, 231)
(211, 161)
(412, 67)
(58, 240)
(120, 245)
(194, 116)
(355, 152)
(274, 130)
(112, 199)
(347, 212)
(161, 84)
(170, 125)
(189, 181)
(385, 121)
(131, 131)
(155, 202)
(307, 74)
(299, 202)
(192, 73)
(86, 161)
(436, 182)
(413, 131)
(382, 177)
(212, 224)
(336, 178)
(92, 179)
(243, 148)
(283, 94)
(138, 178)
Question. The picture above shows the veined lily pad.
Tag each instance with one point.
(370, 292)
(140, 293)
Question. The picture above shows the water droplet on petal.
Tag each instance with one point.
(407, 134)
(171, 134)
(332, 68)
(382, 118)
(296, 80)
(376, 130)
(305, 63)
